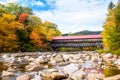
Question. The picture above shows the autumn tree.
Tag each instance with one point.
(111, 32)
(8, 38)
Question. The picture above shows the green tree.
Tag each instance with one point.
(111, 32)
(24, 41)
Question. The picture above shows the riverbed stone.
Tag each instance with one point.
(58, 76)
(24, 77)
(70, 69)
(107, 56)
(78, 75)
(37, 77)
(7, 73)
(59, 65)
(66, 57)
(117, 62)
(95, 76)
(33, 67)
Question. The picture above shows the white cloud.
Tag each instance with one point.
(37, 3)
(73, 15)
(77, 15)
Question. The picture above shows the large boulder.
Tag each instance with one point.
(24, 77)
(70, 69)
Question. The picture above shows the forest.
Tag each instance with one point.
(22, 31)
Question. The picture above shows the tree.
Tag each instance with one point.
(8, 38)
(23, 17)
(36, 39)
(24, 41)
(111, 6)
(111, 32)
(15, 9)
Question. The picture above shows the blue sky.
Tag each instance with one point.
(69, 15)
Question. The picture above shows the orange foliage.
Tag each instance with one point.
(22, 17)
(36, 39)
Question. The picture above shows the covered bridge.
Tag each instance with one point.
(77, 41)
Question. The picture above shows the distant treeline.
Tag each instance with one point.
(85, 32)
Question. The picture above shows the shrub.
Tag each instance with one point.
(111, 71)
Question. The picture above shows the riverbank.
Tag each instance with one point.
(85, 65)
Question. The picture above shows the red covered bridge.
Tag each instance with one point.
(77, 41)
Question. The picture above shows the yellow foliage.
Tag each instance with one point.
(8, 38)
(9, 17)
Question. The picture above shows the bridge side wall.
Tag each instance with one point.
(96, 42)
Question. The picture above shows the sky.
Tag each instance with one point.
(70, 15)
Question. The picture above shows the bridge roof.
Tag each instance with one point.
(77, 37)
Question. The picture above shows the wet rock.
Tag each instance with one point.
(33, 67)
(7, 73)
(58, 76)
(78, 75)
(95, 76)
(24, 77)
(70, 69)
